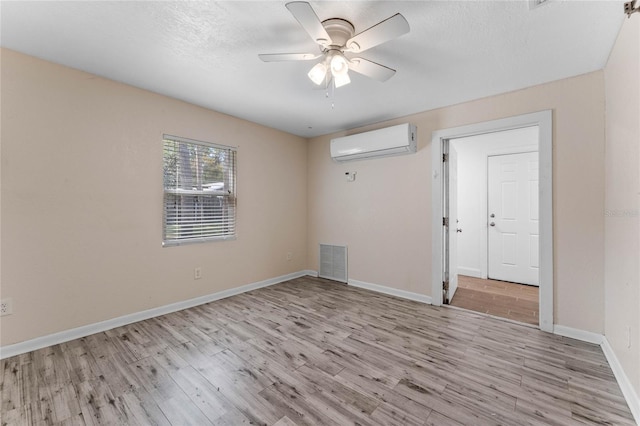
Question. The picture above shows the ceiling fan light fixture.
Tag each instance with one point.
(339, 65)
(318, 73)
(341, 80)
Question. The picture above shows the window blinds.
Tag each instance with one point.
(199, 191)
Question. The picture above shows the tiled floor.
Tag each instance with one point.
(518, 302)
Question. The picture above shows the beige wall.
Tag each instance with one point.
(82, 200)
(622, 202)
(385, 215)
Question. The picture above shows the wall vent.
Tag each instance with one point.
(333, 262)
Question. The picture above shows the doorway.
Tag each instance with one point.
(493, 201)
(533, 260)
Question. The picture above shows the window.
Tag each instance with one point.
(199, 191)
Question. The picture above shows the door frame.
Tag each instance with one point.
(439, 139)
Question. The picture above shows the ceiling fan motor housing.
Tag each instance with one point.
(340, 30)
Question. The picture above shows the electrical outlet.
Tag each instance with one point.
(6, 307)
(197, 273)
(289, 256)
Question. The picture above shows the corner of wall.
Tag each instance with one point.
(622, 209)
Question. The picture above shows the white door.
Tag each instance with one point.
(513, 218)
(453, 221)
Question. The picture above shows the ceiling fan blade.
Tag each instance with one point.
(384, 31)
(305, 15)
(278, 57)
(371, 69)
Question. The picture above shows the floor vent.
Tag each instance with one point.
(333, 262)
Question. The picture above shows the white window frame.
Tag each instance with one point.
(226, 195)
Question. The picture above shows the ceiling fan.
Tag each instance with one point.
(335, 37)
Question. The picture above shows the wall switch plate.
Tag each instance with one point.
(6, 307)
(197, 273)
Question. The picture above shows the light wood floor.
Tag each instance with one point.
(314, 352)
(517, 302)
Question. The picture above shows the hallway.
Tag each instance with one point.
(513, 301)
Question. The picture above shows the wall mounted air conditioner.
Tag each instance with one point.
(394, 140)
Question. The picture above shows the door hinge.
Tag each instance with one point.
(445, 158)
(445, 221)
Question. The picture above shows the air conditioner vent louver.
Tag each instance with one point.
(333, 262)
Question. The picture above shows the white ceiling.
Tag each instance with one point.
(206, 53)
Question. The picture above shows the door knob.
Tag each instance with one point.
(492, 224)
(492, 215)
(458, 230)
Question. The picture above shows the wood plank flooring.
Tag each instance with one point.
(314, 352)
(503, 299)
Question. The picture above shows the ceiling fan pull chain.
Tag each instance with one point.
(332, 87)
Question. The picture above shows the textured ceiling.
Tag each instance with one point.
(205, 53)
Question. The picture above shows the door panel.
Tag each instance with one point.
(509, 244)
(513, 218)
(453, 221)
(534, 245)
(509, 199)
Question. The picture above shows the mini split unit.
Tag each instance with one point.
(395, 140)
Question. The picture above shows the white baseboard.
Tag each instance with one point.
(86, 330)
(630, 394)
(470, 272)
(391, 291)
(574, 333)
(626, 387)
(311, 273)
